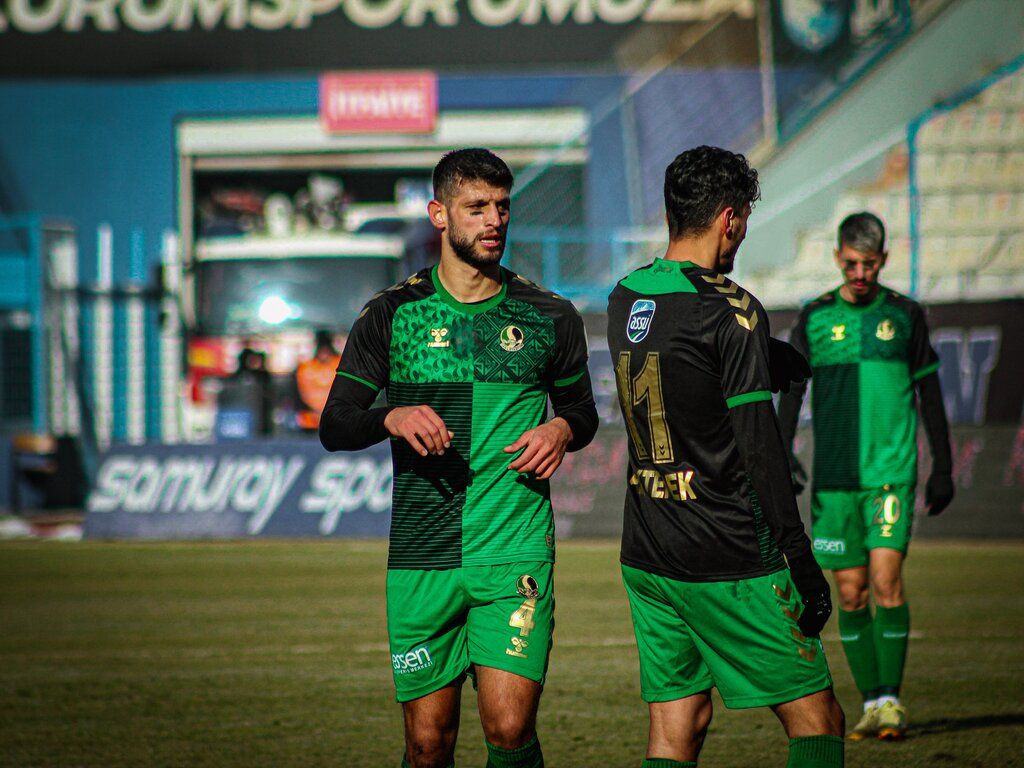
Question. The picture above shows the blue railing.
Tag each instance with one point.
(581, 263)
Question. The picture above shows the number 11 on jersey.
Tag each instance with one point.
(634, 391)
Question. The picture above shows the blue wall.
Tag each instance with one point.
(104, 152)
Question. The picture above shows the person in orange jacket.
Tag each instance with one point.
(313, 378)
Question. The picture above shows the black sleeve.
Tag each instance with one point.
(569, 386)
(741, 344)
(367, 350)
(936, 426)
(791, 402)
(767, 464)
(743, 350)
(569, 361)
(921, 356)
(348, 423)
(575, 403)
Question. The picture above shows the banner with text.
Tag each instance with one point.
(378, 102)
(120, 37)
(283, 489)
(240, 490)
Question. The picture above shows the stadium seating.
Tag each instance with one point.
(970, 172)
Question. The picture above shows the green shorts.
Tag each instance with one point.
(739, 636)
(846, 524)
(441, 622)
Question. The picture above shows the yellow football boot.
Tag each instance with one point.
(892, 721)
(867, 726)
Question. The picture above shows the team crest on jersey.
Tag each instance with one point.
(640, 318)
(885, 330)
(511, 339)
(838, 332)
(527, 587)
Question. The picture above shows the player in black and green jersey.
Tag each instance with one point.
(869, 349)
(711, 523)
(469, 354)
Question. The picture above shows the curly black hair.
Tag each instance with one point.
(471, 164)
(702, 182)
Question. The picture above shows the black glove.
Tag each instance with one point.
(786, 365)
(797, 475)
(939, 492)
(814, 593)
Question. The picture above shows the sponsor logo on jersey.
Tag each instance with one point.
(415, 660)
(640, 318)
(511, 338)
(885, 331)
(438, 334)
(838, 332)
(830, 546)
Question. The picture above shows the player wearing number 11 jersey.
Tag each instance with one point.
(710, 516)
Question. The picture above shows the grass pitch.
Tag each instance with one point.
(274, 654)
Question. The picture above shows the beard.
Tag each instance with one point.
(465, 249)
(726, 261)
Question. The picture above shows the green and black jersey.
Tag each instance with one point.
(866, 359)
(487, 369)
(688, 345)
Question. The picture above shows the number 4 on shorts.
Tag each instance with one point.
(522, 618)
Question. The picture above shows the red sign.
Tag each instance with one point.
(378, 102)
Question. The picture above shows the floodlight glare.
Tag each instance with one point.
(274, 310)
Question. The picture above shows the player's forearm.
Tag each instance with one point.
(760, 445)
(936, 426)
(575, 404)
(348, 423)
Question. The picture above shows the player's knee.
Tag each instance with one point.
(835, 718)
(508, 732)
(853, 596)
(702, 718)
(888, 590)
(828, 718)
(431, 748)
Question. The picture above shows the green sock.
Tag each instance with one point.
(526, 756)
(892, 629)
(816, 752)
(855, 630)
(664, 762)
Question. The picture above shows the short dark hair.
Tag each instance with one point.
(863, 232)
(702, 182)
(472, 164)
